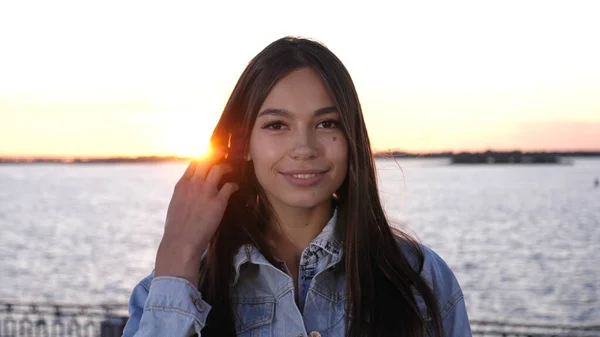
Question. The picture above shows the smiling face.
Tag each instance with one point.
(299, 152)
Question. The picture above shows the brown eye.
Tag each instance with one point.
(329, 124)
(274, 126)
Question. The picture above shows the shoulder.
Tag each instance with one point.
(436, 272)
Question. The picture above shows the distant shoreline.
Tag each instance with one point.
(399, 154)
(380, 154)
(108, 160)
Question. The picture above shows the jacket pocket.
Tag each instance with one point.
(254, 316)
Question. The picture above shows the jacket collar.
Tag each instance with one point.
(328, 240)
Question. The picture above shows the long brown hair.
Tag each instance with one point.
(380, 280)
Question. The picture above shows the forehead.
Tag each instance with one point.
(300, 91)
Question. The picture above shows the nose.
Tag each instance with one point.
(304, 146)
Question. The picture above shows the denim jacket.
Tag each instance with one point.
(263, 296)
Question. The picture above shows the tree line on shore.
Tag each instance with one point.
(377, 154)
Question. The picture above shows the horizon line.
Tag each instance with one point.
(173, 157)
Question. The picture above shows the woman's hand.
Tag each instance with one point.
(195, 212)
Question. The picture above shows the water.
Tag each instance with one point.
(524, 241)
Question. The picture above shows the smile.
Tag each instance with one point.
(304, 178)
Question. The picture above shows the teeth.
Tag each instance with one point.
(304, 176)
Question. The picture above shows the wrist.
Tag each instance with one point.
(179, 261)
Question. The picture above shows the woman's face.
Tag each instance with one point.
(299, 152)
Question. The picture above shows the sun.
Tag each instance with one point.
(188, 141)
(191, 148)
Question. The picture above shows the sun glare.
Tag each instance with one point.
(192, 149)
(185, 142)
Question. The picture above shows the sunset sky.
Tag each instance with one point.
(128, 78)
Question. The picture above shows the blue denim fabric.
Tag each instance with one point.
(263, 296)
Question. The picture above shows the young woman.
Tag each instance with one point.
(282, 232)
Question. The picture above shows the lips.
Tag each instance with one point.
(303, 171)
(304, 175)
(304, 178)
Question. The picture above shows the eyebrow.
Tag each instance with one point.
(287, 113)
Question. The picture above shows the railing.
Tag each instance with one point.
(60, 320)
(54, 320)
(496, 329)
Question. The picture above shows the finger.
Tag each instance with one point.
(216, 173)
(204, 165)
(190, 170)
(227, 190)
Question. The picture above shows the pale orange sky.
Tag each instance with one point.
(115, 78)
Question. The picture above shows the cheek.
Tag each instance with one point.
(338, 150)
(264, 152)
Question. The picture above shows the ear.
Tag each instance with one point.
(247, 156)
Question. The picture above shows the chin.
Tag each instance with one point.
(306, 201)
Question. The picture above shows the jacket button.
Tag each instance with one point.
(314, 334)
(197, 304)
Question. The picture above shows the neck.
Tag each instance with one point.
(293, 229)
